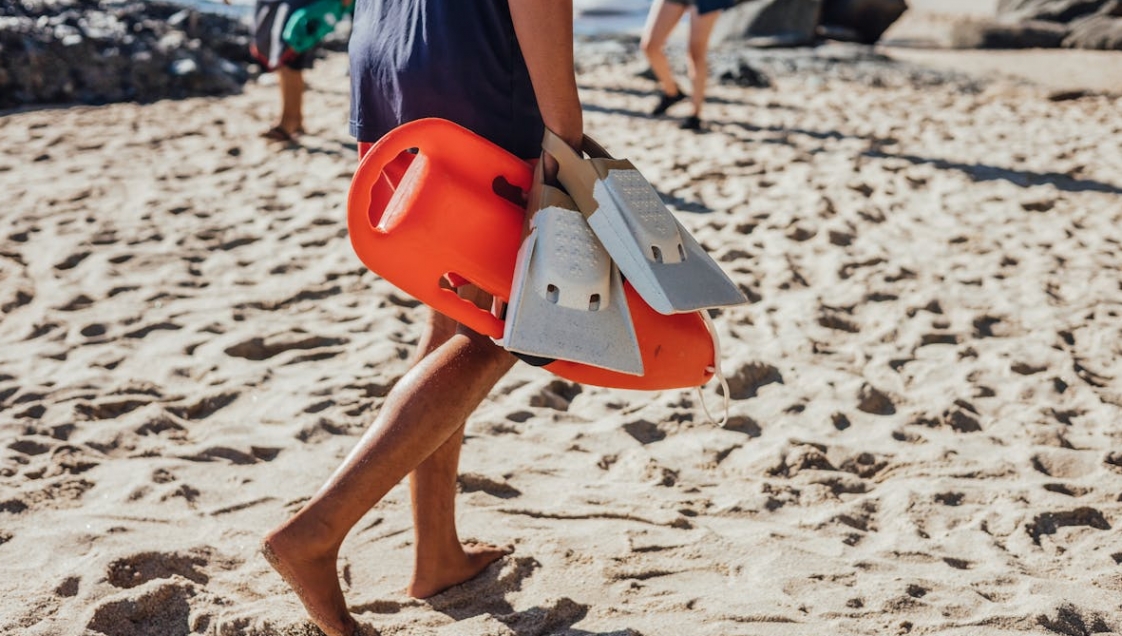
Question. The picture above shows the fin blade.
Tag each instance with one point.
(561, 251)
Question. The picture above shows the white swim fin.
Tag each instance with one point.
(567, 300)
(659, 257)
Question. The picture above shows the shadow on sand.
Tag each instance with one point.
(486, 595)
(1022, 178)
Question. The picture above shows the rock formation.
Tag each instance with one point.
(100, 51)
(801, 22)
(1081, 24)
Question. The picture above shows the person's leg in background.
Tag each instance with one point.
(661, 20)
(276, 56)
(701, 27)
(291, 83)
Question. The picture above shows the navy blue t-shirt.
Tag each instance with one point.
(454, 59)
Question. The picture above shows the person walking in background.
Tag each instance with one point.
(663, 17)
(504, 70)
(269, 19)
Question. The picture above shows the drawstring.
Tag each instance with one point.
(716, 370)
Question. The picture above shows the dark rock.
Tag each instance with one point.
(1032, 34)
(1087, 24)
(868, 19)
(100, 51)
(770, 22)
(1051, 10)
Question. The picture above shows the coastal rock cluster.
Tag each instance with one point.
(803, 22)
(1075, 24)
(101, 51)
(733, 64)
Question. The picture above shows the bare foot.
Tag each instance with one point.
(312, 576)
(454, 569)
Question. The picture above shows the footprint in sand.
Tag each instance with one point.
(1049, 523)
(93, 330)
(1067, 489)
(254, 455)
(205, 407)
(69, 587)
(557, 395)
(553, 619)
(323, 429)
(50, 460)
(135, 570)
(517, 417)
(801, 457)
(474, 482)
(872, 400)
(488, 592)
(644, 432)
(111, 408)
(77, 303)
(20, 298)
(61, 494)
(1063, 463)
(837, 319)
(746, 381)
(144, 331)
(1069, 619)
(962, 417)
(305, 295)
(865, 465)
(157, 608)
(264, 348)
(72, 261)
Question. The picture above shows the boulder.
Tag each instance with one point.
(100, 51)
(1051, 10)
(770, 22)
(867, 20)
(1086, 24)
(1032, 34)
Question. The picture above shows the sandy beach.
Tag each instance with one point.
(926, 385)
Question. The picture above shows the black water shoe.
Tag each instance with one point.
(666, 101)
(693, 122)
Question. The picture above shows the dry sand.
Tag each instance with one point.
(924, 433)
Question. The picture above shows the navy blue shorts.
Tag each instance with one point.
(705, 6)
(454, 59)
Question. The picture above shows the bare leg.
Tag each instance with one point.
(701, 26)
(662, 19)
(425, 411)
(291, 82)
(440, 560)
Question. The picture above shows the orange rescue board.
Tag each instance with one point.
(426, 205)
